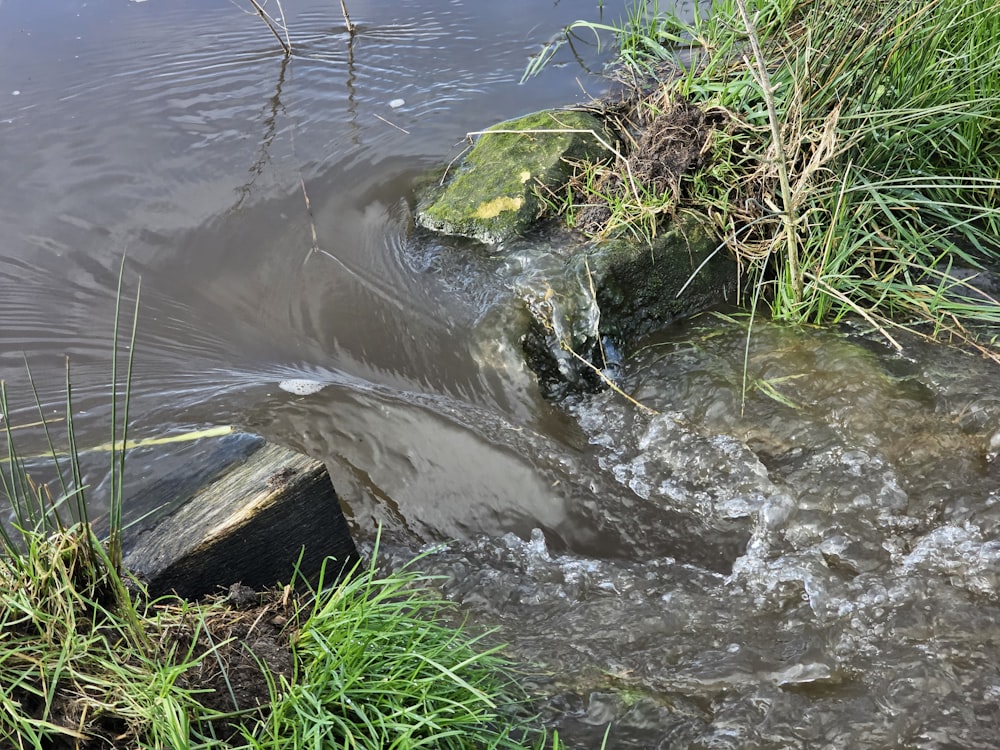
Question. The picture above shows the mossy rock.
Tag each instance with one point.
(493, 197)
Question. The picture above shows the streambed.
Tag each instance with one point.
(813, 566)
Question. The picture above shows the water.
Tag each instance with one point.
(803, 557)
(863, 611)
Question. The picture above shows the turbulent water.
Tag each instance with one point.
(793, 542)
(863, 611)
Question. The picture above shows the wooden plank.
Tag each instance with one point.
(248, 526)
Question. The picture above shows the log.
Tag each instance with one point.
(267, 511)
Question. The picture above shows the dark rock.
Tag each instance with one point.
(609, 294)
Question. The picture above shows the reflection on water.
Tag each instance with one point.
(804, 556)
(264, 201)
(177, 133)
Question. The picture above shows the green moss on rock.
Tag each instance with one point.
(492, 198)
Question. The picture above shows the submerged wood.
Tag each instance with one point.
(268, 512)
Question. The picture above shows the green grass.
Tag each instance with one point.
(73, 666)
(880, 174)
(381, 666)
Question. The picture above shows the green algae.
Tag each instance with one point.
(494, 195)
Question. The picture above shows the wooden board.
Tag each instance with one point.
(248, 526)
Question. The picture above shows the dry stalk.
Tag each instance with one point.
(606, 380)
(347, 18)
(764, 81)
(273, 26)
(392, 124)
(851, 304)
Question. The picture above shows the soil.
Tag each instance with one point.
(250, 634)
(243, 635)
(664, 148)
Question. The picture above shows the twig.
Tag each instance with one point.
(285, 45)
(272, 26)
(608, 381)
(284, 27)
(347, 18)
(401, 130)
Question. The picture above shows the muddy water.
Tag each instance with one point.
(805, 556)
(863, 610)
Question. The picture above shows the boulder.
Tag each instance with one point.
(493, 197)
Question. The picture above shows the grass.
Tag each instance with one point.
(853, 165)
(87, 661)
(380, 667)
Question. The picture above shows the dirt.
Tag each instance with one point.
(251, 630)
(244, 631)
(663, 148)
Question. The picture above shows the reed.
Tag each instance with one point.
(278, 28)
(351, 27)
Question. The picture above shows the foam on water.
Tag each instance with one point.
(862, 611)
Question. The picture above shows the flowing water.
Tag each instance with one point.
(797, 547)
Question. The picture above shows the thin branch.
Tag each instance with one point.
(607, 381)
(284, 27)
(347, 18)
(271, 25)
(401, 130)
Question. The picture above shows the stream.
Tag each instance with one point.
(794, 544)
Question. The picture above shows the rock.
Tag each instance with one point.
(267, 510)
(607, 295)
(643, 288)
(492, 197)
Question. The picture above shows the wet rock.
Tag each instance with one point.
(590, 304)
(493, 197)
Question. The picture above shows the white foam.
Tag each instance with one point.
(301, 386)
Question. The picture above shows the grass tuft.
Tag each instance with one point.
(381, 666)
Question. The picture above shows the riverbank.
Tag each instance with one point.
(371, 662)
(89, 658)
(848, 158)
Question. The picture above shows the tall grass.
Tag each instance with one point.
(77, 664)
(886, 129)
